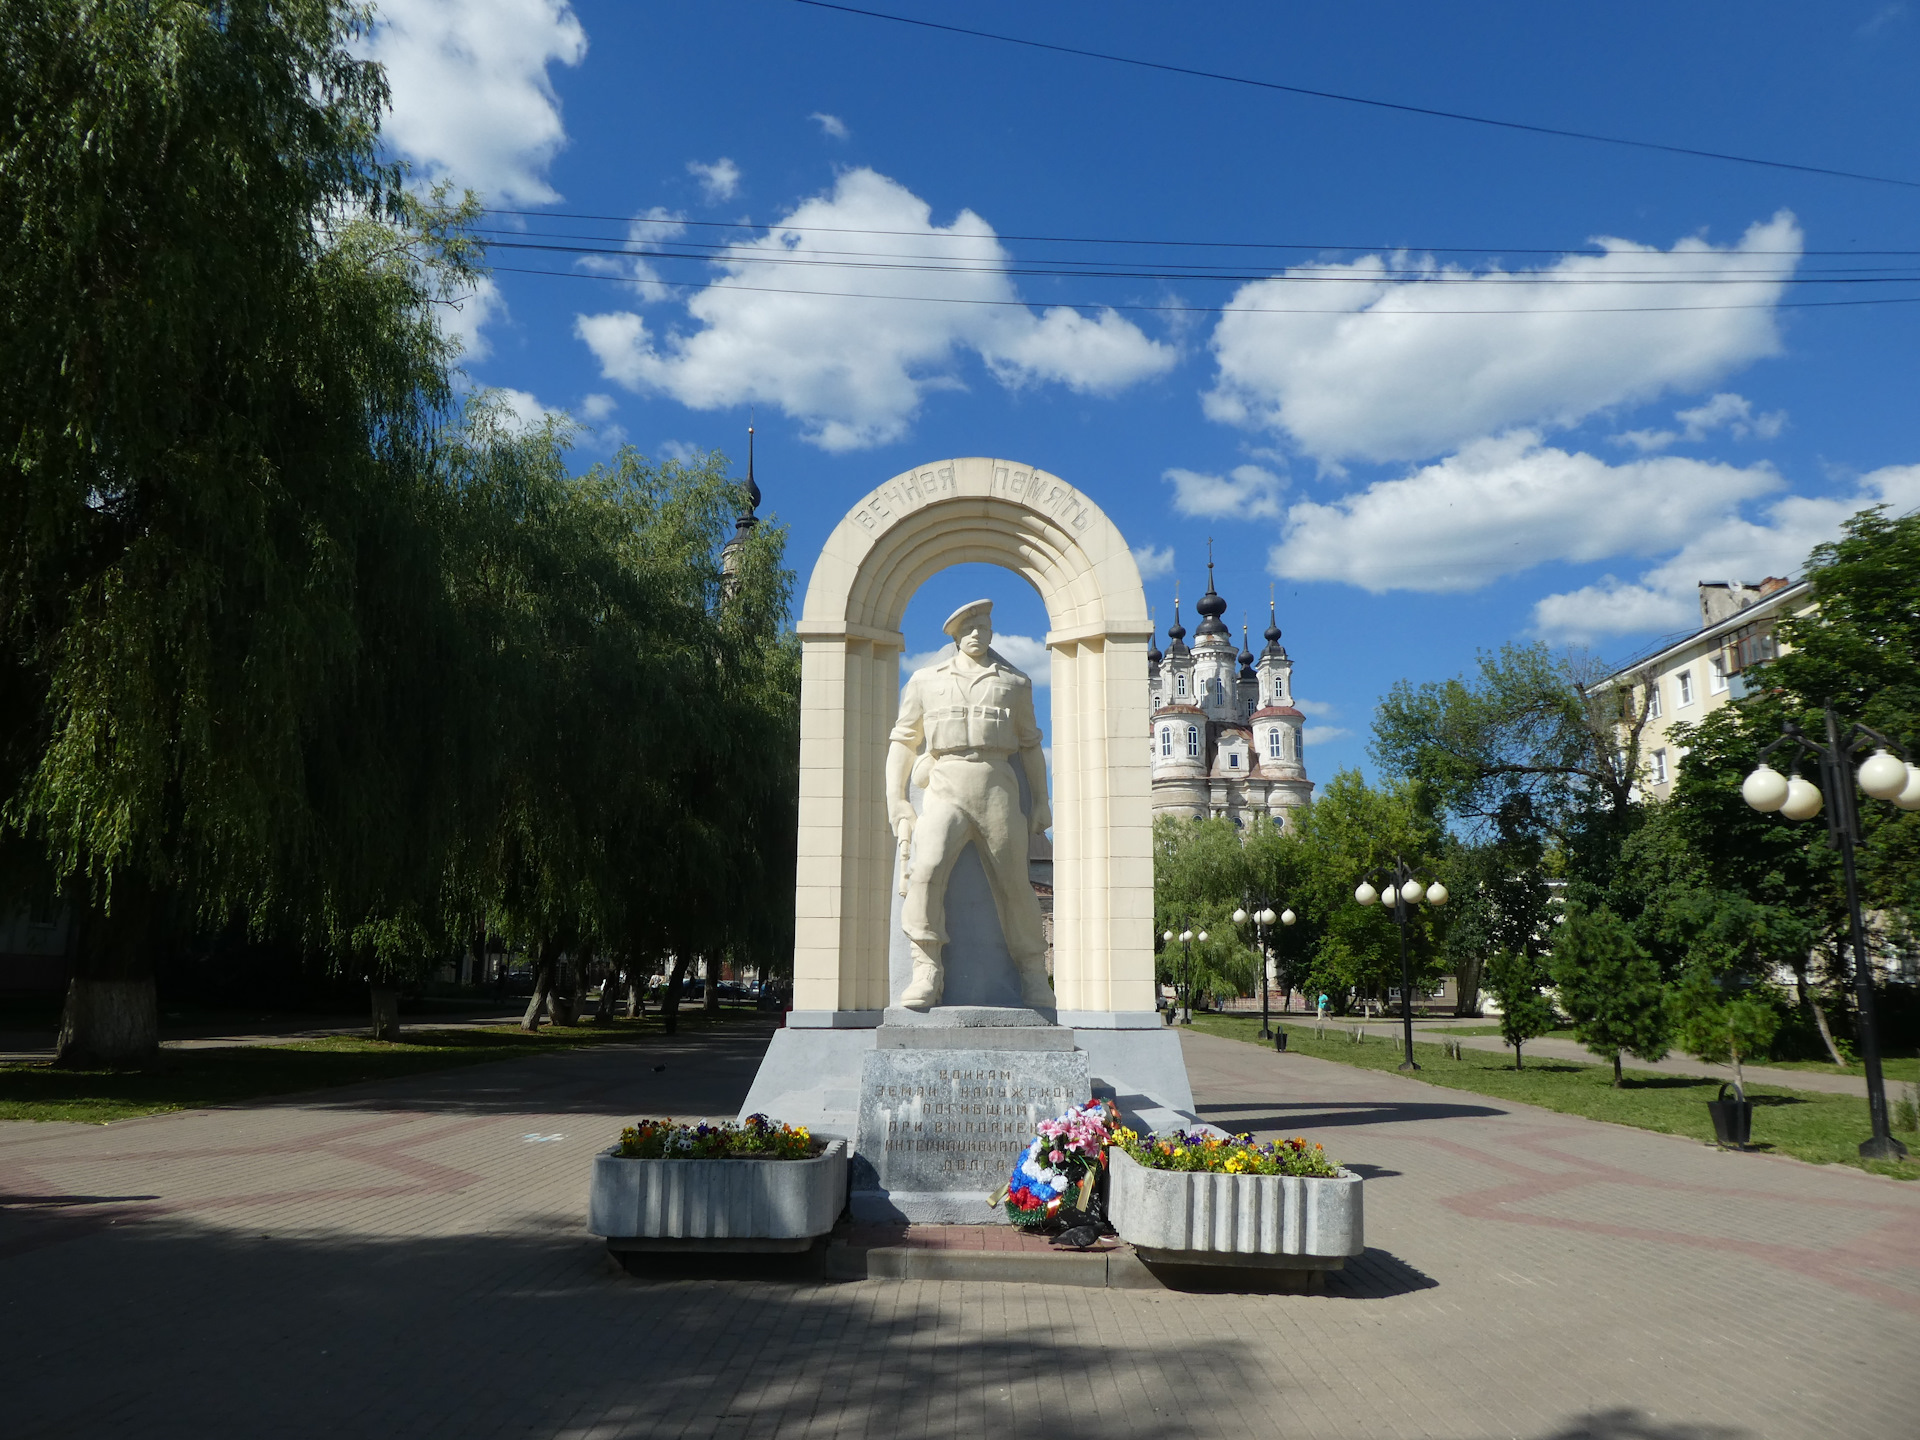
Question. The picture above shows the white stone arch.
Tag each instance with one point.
(923, 520)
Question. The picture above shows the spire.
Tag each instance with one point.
(1177, 632)
(1154, 657)
(747, 521)
(1246, 655)
(1273, 630)
(1210, 606)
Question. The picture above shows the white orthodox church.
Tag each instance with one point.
(1225, 735)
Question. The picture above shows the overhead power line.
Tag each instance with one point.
(1369, 101)
(1120, 240)
(958, 265)
(1189, 309)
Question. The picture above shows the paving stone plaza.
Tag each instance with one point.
(411, 1259)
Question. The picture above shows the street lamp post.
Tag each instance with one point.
(1263, 920)
(1884, 777)
(1403, 893)
(1186, 937)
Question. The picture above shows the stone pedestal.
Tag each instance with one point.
(948, 1100)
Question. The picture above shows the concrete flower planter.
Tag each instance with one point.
(712, 1205)
(1195, 1218)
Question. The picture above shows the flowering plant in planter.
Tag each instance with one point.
(1229, 1154)
(1056, 1177)
(755, 1138)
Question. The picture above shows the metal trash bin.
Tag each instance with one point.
(1732, 1119)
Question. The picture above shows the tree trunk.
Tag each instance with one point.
(542, 987)
(636, 999)
(1518, 1063)
(670, 999)
(1619, 1080)
(112, 1015)
(1808, 999)
(1467, 1001)
(386, 1012)
(603, 1012)
(710, 1001)
(563, 1000)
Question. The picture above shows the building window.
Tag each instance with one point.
(1717, 675)
(1653, 700)
(1166, 740)
(1180, 684)
(1233, 760)
(1193, 742)
(1752, 645)
(1215, 696)
(1685, 681)
(1273, 743)
(1659, 767)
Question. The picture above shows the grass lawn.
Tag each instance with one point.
(1826, 1129)
(222, 1075)
(1895, 1067)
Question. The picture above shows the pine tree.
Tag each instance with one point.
(1515, 978)
(1610, 988)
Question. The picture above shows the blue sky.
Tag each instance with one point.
(1431, 426)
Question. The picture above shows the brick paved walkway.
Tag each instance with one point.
(409, 1260)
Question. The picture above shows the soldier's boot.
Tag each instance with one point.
(923, 991)
(1035, 992)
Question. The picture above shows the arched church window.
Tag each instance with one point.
(1274, 751)
(1166, 740)
(1193, 741)
(1180, 684)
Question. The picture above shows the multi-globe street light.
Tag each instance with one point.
(1403, 892)
(1263, 920)
(1186, 937)
(1884, 776)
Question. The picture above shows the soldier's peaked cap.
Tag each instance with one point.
(958, 620)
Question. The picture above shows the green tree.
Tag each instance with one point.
(220, 397)
(1610, 987)
(1721, 1024)
(1515, 979)
(1200, 878)
(1526, 742)
(1353, 831)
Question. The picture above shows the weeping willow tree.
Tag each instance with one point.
(292, 641)
(220, 415)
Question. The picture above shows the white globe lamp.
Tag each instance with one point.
(1803, 799)
(1909, 798)
(1413, 892)
(1366, 894)
(1201, 937)
(1267, 916)
(1765, 789)
(1883, 775)
(1287, 917)
(1239, 917)
(1436, 894)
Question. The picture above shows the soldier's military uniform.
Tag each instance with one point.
(972, 722)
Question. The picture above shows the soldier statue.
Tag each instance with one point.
(974, 712)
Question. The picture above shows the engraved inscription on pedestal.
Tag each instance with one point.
(940, 1129)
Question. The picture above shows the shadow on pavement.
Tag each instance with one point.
(1632, 1425)
(1378, 1275)
(336, 1335)
(1325, 1114)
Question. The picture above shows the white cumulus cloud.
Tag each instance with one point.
(1381, 371)
(1247, 492)
(718, 181)
(597, 407)
(1503, 505)
(832, 126)
(1728, 412)
(1319, 734)
(463, 318)
(1154, 564)
(844, 352)
(472, 99)
(1665, 599)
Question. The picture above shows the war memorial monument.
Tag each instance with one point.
(925, 1027)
